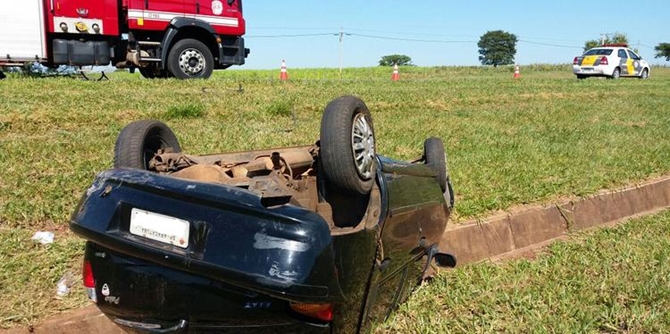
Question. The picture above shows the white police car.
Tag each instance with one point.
(612, 61)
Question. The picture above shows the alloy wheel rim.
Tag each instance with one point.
(363, 146)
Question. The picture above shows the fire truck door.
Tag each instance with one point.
(154, 14)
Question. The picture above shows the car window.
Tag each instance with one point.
(622, 54)
(633, 55)
(598, 52)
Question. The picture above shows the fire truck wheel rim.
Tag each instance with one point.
(191, 61)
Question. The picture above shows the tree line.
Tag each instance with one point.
(498, 47)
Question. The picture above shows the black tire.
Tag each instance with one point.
(581, 77)
(154, 72)
(436, 158)
(139, 141)
(2, 75)
(433, 152)
(616, 74)
(347, 132)
(645, 74)
(190, 59)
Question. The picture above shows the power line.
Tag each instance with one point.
(408, 33)
(292, 28)
(409, 39)
(293, 35)
(554, 45)
(343, 32)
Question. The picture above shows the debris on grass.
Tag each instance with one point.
(43, 237)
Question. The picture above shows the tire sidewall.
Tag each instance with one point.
(434, 153)
(136, 138)
(336, 152)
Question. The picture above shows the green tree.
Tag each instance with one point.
(663, 50)
(497, 48)
(616, 38)
(391, 60)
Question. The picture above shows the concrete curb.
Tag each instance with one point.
(522, 228)
(475, 240)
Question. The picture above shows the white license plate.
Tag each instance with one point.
(155, 226)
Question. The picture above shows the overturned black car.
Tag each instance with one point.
(322, 238)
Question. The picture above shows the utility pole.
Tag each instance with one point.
(604, 36)
(341, 37)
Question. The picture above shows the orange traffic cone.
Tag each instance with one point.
(395, 76)
(517, 75)
(283, 75)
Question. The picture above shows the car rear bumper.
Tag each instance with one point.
(592, 70)
(285, 252)
(141, 296)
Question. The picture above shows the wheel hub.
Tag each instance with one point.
(363, 146)
(191, 61)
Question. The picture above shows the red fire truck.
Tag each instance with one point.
(162, 38)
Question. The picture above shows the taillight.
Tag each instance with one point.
(89, 281)
(575, 61)
(322, 312)
(603, 61)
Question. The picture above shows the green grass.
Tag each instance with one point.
(510, 142)
(614, 280)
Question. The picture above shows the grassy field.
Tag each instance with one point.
(614, 280)
(510, 142)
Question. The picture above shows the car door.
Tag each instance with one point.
(637, 61)
(625, 63)
(416, 211)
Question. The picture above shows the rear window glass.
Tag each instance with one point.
(598, 52)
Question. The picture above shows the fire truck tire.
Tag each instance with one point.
(347, 142)
(154, 72)
(190, 59)
(139, 141)
(2, 75)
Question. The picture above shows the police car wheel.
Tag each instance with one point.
(616, 74)
(645, 74)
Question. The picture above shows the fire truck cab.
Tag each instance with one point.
(162, 38)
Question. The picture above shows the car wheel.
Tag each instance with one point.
(616, 74)
(190, 59)
(436, 158)
(347, 145)
(581, 77)
(139, 141)
(645, 74)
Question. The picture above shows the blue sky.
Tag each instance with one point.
(548, 31)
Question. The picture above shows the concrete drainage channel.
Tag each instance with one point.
(498, 236)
